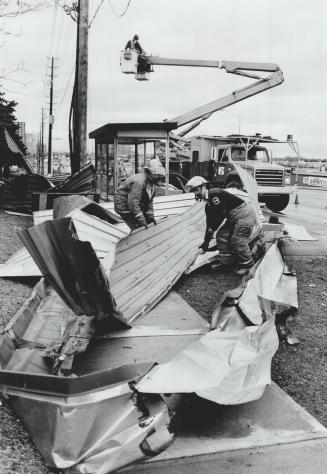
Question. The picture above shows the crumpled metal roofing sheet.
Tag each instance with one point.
(163, 206)
(20, 264)
(149, 262)
(82, 181)
(233, 360)
(102, 235)
(72, 268)
(166, 249)
(96, 432)
(9, 147)
(64, 205)
(17, 194)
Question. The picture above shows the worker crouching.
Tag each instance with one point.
(234, 235)
(134, 197)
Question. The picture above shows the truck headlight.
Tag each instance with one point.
(287, 180)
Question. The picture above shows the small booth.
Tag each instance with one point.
(123, 149)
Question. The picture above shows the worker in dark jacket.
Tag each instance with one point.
(234, 236)
(134, 197)
(135, 45)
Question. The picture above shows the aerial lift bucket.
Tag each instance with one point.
(129, 61)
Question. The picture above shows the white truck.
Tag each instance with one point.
(214, 158)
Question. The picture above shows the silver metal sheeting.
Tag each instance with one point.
(95, 432)
(164, 206)
(102, 235)
(149, 262)
(72, 268)
(231, 364)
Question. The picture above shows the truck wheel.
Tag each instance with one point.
(233, 184)
(277, 203)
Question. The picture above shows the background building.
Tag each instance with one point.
(21, 131)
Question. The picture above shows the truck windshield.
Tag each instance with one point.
(258, 155)
(238, 154)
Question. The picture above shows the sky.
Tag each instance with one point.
(291, 33)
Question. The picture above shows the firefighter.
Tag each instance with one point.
(134, 197)
(234, 236)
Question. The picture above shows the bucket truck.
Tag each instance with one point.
(216, 162)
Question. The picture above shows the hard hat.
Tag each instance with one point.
(194, 183)
(157, 170)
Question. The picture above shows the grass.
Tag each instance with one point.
(300, 370)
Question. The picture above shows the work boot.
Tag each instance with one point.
(219, 266)
(242, 271)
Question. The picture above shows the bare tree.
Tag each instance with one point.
(11, 9)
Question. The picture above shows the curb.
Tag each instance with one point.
(304, 249)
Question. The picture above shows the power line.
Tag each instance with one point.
(119, 14)
(64, 95)
(96, 12)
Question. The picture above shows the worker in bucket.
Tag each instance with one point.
(234, 236)
(134, 197)
(134, 44)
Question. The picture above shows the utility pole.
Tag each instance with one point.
(50, 121)
(80, 109)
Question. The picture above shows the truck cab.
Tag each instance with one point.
(214, 159)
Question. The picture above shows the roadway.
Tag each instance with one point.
(311, 212)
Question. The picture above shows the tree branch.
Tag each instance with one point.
(8, 10)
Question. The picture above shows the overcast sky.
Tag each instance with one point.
(291, 33)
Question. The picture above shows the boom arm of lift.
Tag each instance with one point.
(232, 67)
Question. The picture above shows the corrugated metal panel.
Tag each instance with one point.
(9, 142)
(163, 206)
(42, 216)
(137, 258)
(20, 264)
(149, 262)
(64, 205)
(81, 182)
(102, 236)
(72, 268)
(17, 194)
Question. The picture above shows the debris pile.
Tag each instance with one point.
(30, 191)
(103, 337)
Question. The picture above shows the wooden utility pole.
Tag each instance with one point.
(50, 121)
(80, 126)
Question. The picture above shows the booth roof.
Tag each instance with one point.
(110, 129)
